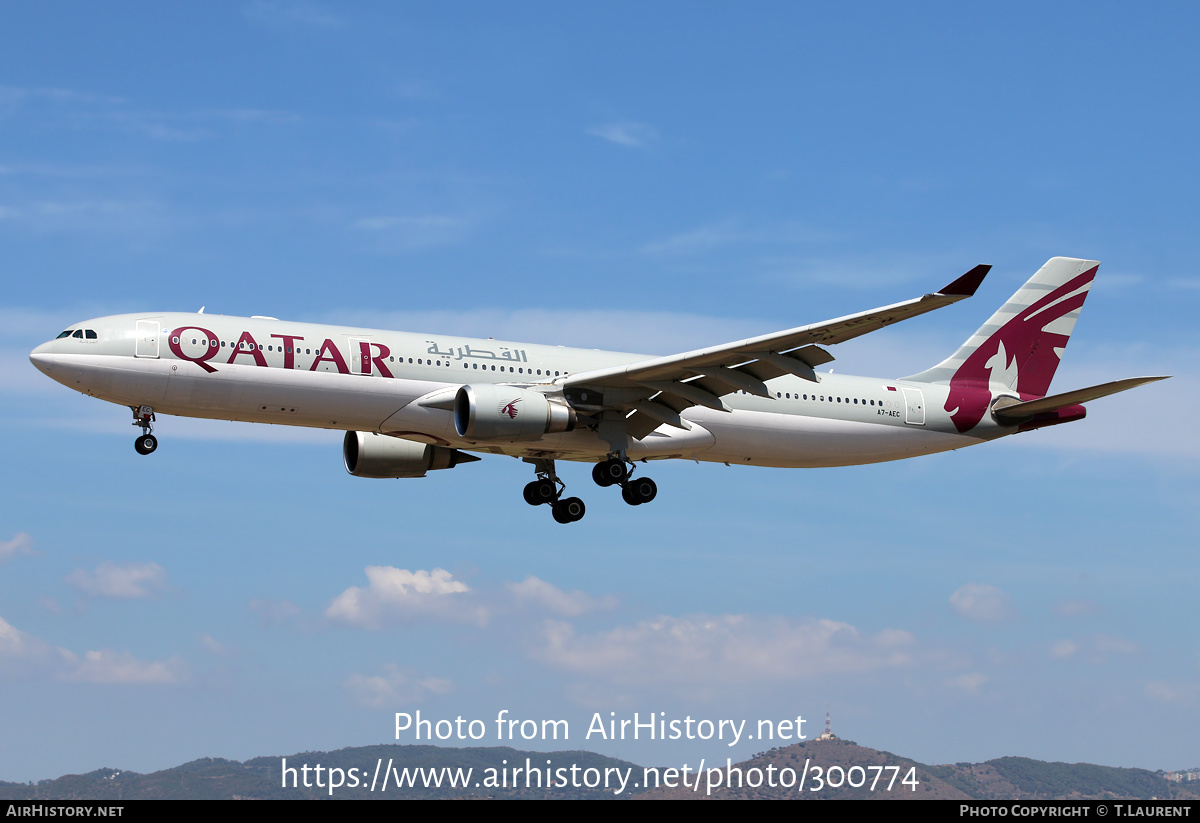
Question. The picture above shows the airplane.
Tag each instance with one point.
(414, 403)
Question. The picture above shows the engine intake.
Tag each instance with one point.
(367, 454)
(491, 411)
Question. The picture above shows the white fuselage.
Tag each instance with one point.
(263, 370)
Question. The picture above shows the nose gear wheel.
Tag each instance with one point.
(143, 417)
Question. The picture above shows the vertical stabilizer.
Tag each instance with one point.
(1019, 348)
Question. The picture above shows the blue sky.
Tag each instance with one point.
(628, 177)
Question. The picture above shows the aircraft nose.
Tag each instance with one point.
(42, 358)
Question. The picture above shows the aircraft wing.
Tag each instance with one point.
(653, 392)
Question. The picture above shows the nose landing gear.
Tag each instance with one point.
(146, 443)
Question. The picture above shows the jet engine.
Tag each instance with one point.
(491, 411)
(367, 454)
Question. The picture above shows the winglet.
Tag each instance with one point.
(966, 285)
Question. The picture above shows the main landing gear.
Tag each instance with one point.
(146, 443)
(616, 472)
(549, 489)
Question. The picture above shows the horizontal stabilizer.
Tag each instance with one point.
(1008, 410)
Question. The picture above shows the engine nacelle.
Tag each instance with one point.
(489, 411)
(367, 454)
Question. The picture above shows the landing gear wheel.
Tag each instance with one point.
(610, 472)
(639, 490)
(539, 492)
(145, 444)
(569, 510)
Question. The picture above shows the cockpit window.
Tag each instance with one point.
(78, 333)
(89, 334)
(67, 333)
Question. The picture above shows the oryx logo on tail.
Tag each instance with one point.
(1019, 348)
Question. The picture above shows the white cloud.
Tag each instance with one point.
(1099, 648)
(211, 644)
(709, 237)
(632, 135)
(1063, 649)
(1075, 608)
(128, 581)
(21, 652)
(568, 604)
(980, 601)
(703, 654)
(21, 544)
(108, 666)
(16, 643)
(868, 272)
(699, 240)
(1163, 692)
(12, 95)
(406, 233)
(398, 594)
(393, 687)
(274, 612)
(1110, 644)
(970, 682)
